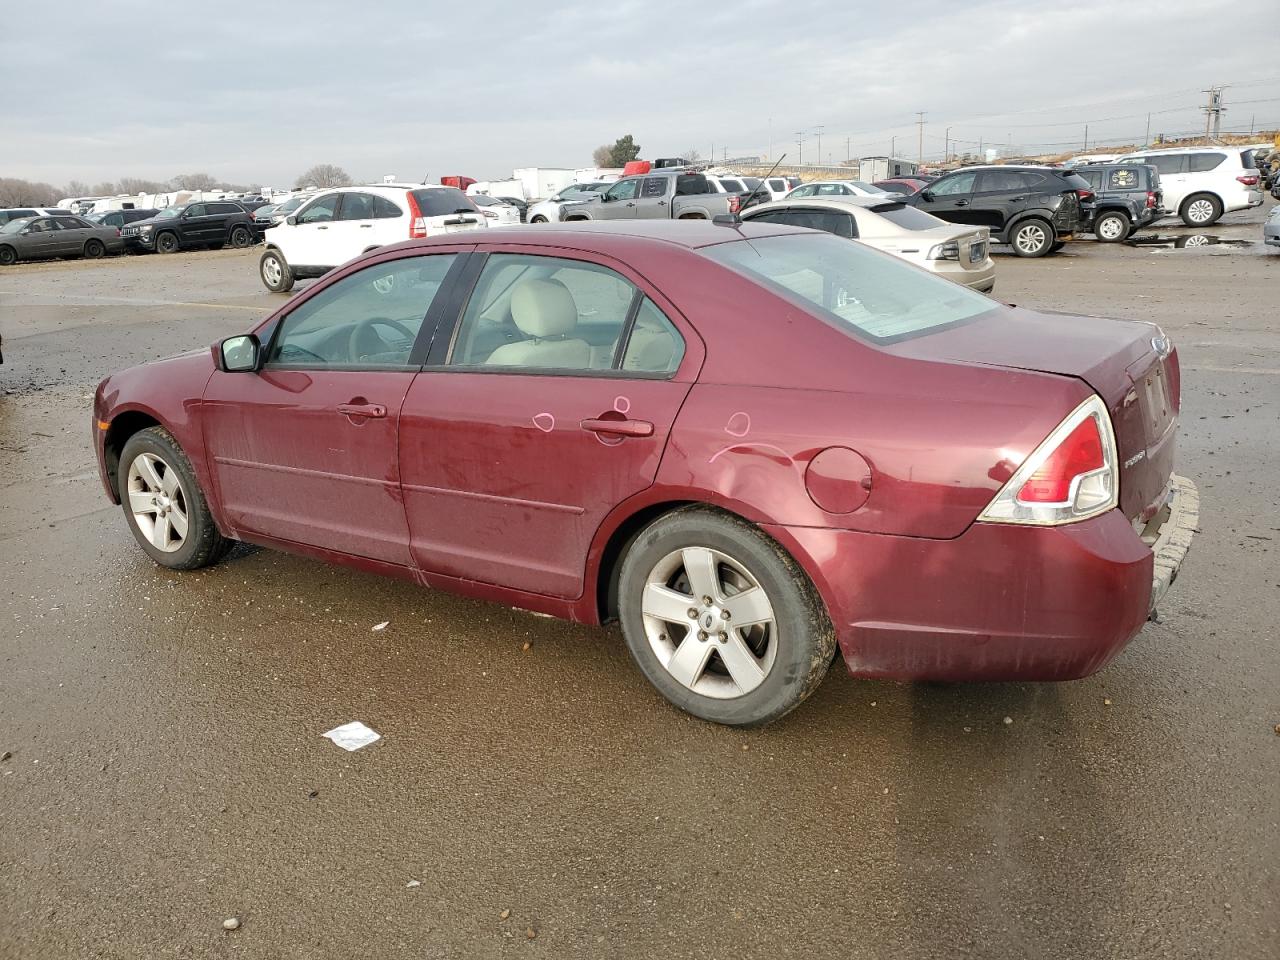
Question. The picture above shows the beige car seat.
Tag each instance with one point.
(544, 311)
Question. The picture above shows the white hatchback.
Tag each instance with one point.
(337, 225)
(1203, 183)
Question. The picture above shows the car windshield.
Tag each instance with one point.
(292, 204)
(13, 226)
(168, 213)
(855, 288)
(909, 218)
(96, 217)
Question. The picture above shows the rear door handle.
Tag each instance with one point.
(322, 227)
(366, 226)
(962, 203)
(619, 428)
(362, 409)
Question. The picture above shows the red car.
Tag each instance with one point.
(749, 443)
(904, 185)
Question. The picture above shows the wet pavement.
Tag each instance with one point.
(531, 795)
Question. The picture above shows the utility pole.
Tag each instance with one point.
(818, 132)
(800, 147)
(1146, 139)
(946, 146)
(893, 147)
(848, 150)
(920, 146)
(1086, 138)
(771, 138)
(1213, 112)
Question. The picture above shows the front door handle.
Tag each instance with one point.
(322, 227)
(962, 203)
(619, 428)
(366, 226)
(362, 409)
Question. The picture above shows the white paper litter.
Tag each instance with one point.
(353, 735)
(379, 627)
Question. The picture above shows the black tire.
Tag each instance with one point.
(1057, 245)
(277, 279)
(202, 543)
(93, 249)
(8, 256)
(1112, 226)
(241, 237)
(167, 242)
(802, 638)
(539, 219)
(1032, 237)
(1192, 207)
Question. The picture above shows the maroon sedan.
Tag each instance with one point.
(748, 443)
(906, 185)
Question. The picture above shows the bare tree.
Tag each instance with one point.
(24, 193)
(602, 156)
(136, 185)
(77, 189)
(692, 155)
(193, 181)
(105, 189)
(324, 175)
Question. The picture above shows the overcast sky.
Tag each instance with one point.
(256, 92)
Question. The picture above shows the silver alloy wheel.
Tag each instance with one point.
(1031, 238)
(271, 270)
(1200, 211)
(1110, 228)
(1197, 240)
(709, 622)
(158, 502)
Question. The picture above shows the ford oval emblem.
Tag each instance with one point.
(1161, 346)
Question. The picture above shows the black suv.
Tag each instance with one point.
(1128, 197)
(1034, 209)
(206, 223)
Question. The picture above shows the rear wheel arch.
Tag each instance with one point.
(692, 216)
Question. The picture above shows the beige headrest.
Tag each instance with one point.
(543, 308)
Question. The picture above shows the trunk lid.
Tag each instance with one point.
(1129, 364)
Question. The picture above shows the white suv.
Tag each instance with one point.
(1203, 183)
(337, 225)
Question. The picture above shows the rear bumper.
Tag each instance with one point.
(1170, 532)
(999, 602)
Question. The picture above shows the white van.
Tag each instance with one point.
(1203, 183)
(337, 225)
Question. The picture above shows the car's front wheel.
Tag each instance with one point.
(1111, 227)
(721, 619)
(8, 256)
(163, 503)
(1201, 210)
(275, 272)
(1032, 237)
(167, 242)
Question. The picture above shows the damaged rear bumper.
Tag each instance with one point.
(1169, 534)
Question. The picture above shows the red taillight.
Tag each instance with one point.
(1151, 200)
(735, 203)
(1249, 181)
(417, 222)
(1080, 452)
(1084, 195)
(118, 232)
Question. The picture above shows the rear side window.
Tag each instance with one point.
(1204, 162)
(442, 201)
(384, 209)
(1122, 178)
(225, 208)
(73, 223)
(654, 187)
(356, 206)
(1247, 159)
(999, 181)
(828, 221)
(692, 184)
(1092, 177)
(655, 346)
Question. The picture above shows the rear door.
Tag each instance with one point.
(549, 406)
(305, 450)
(70, 236)
(1174, 178)
(999, 195)
(653, 202)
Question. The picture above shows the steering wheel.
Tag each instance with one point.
(364, 340)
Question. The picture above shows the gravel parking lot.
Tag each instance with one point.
(532, 795)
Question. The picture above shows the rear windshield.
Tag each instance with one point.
(909, 218)
(690, 184)
(870, 294)
(442, 201)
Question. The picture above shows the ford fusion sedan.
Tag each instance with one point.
(43, 238)
(752, 445)
(962, 254)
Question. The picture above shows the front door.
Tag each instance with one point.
(307, 242)
(949, 198)
(305, 450)
(619, 201)
(551, 406)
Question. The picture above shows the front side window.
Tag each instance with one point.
(1169, 163)
(623, 190)
(548, 313)
(196, 210)
(953, 186)
(321, 210)
(1204, 162)
(368, 320)
(43, 225)
(871, 295)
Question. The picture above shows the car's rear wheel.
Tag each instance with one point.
(1201, 210)
(275, 272)
(167, 242)
(1111, 227)
(93, 249)
(1032, 237)
(241, 237)
(163, 503)
(721, 619)
(8, 256)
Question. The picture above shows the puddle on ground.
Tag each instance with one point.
(1172, 242)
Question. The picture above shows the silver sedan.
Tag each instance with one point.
(43, 238)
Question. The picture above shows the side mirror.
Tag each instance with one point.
(239, 354)
(926, 195)
(291, 221)
(605, 198)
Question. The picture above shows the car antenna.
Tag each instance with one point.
(737, 216)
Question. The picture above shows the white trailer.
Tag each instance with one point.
(542, 182)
